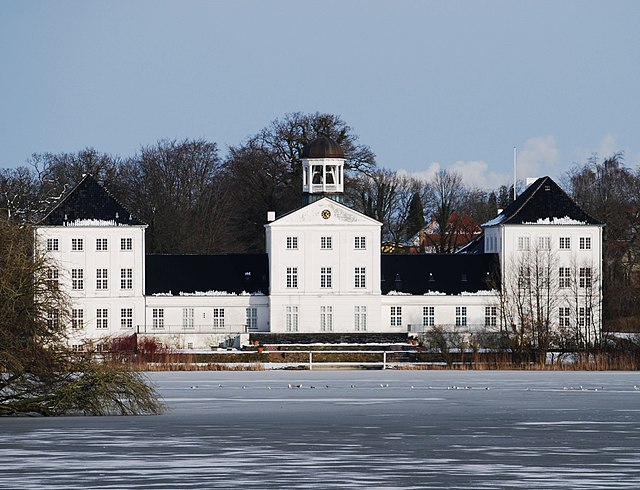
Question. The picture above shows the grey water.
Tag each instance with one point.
(345, 429)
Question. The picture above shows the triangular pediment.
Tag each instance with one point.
(324, 212)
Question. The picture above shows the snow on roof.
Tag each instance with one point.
(556, 221)
(495, 221)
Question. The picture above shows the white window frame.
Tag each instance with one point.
(102, 279)
(126, 317)
(77, 279)
(564, 316)
(564, 277)
(188, 318)
(292, 278)
(102, 244)
(292, 243)
(291, 318)
(326, 243)
(252, 318)
(544, 243)
(77, 318)
(126, 244)
(126, 278)
(157, 315)
(585, 277)
(565, 243)
(395, 316)
(585, 243)
(584, 316)
(461, 316)
(360, 278)
(77, 244)
(326, 318)
(218, 318)
(326, 279)
(53, 278)
(102, 318)
(360, 243)
(490, 316)
(428, 316)
(360, 318)
(53, 245)
(524, 243)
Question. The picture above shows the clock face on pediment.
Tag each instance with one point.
(326, 214)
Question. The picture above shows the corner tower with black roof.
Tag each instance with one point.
(550, 248)
(322, 170)
(97, 251)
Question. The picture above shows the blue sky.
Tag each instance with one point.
(426, 84)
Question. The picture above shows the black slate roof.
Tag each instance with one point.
(231, 273)
(89, 200)
(444, 273)
(542, 199)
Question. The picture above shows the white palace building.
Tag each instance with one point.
(322, 272)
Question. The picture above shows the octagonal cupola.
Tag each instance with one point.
(322, 170)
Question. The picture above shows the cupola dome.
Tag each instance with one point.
(322, 147)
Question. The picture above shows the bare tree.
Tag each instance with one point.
(40, 375)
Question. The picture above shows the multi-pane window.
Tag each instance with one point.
(524, 277)
(126, 317)
(252, 318)
(360, 318)
(157, 316)
(188, 315)
(102, 279)
(396, 316)
(101, 244)
(564, 277)
(584, 277)
(77, 279)
(428, 316)
(565, 243)
(126, 244)
(292, 277)
(523, 243)
(490, 316)
(563, 316)
(325, 242)
(325, 277)
(360, 243)
(585, 243)
(359, 277)
(52, 244)
(584, 316)
(77, 244)
(291, 318)
(53, 319)
(544, 243)
(218, 318)
(326, 318)
(292, 242)
(126, 278)
(52, 278)
(461, 316)
(102, 318)
(77, 318)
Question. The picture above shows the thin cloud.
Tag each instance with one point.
(537, 157)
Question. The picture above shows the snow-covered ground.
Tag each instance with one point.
(353, 429)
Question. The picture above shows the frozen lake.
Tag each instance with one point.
(426, 429)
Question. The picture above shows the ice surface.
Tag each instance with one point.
(345, 429)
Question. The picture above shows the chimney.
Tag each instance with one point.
(271, 216)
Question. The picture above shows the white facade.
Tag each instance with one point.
(324, 269)
(325, 274)
(101, 267)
